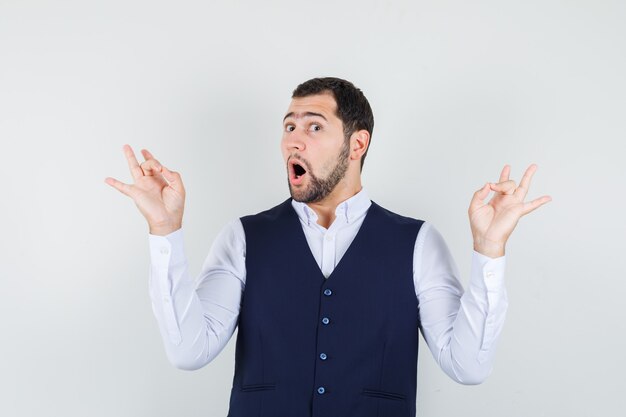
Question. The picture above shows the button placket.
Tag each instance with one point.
(322, 353)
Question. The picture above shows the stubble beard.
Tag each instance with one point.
(320, 188)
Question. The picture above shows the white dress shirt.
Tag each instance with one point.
(197, 317)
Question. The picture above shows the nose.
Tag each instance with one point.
(294, 140)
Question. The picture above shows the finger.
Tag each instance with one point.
(504, 175)
(150, 167)
(120, 186)
(133, 165)
(174, 180)
(480, 195)
(506, 187)
(146, 154)
(535, 204)
(524, 184)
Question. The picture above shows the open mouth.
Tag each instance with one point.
(296, 172)
(299, 170)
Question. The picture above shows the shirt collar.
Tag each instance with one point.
(347, 211)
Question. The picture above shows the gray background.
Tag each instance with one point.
(458, 89)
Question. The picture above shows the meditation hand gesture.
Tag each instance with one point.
(158, 192)
(493, 222)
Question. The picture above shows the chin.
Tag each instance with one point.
(299, 197)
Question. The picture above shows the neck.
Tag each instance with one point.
(325, 209)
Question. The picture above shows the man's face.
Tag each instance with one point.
(314, 149)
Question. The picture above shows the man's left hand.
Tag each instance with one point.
(493, 222)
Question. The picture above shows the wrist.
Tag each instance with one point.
(163, 230)
(489, 248)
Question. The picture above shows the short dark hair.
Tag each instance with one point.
(353, 109)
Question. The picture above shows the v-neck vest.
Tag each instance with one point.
(342, 346)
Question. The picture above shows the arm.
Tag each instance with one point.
(461, 328)
(196, 318)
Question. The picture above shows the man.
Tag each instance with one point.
(328, 288)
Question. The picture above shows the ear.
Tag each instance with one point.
(359, 141)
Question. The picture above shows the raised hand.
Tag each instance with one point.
(158, 192)
(493, 222)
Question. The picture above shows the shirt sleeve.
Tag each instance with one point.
(197, 317)
(460, 328)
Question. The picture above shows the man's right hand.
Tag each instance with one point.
(158, 192)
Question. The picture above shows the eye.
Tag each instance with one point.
(289, 128)
(316, 127)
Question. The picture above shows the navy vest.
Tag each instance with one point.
(342, 346)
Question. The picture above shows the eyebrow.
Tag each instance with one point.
(305, 114)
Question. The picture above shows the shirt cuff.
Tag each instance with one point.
(488, 271)
(167, 250)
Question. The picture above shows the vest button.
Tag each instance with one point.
(325, 320)
(323, 356)
(321, 390)
(327, 291)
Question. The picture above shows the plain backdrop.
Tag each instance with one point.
(458, 89)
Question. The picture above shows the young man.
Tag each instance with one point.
(328, 288)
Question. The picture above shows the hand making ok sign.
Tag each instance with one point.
(158, 192)
(493, 222)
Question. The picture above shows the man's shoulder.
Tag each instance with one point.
(395, 217)
(268, 214)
